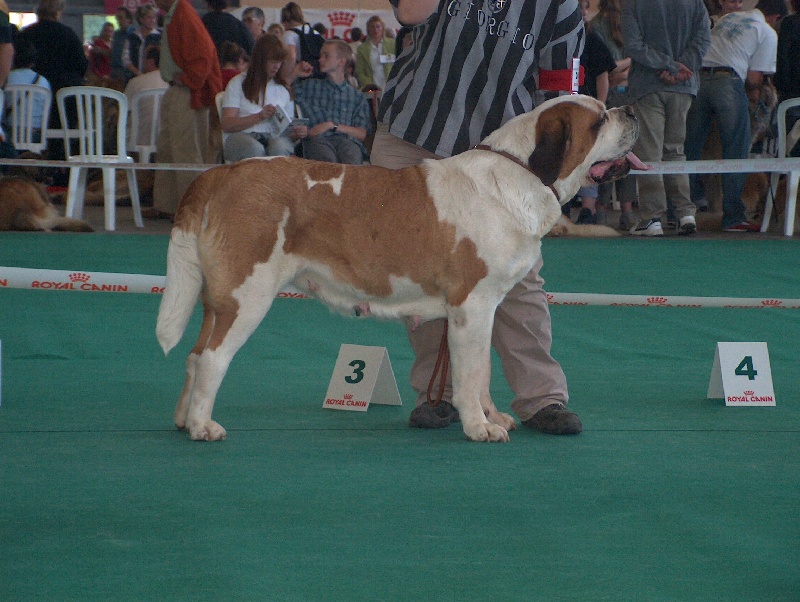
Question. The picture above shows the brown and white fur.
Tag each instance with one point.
(445, 239)
(24, 205)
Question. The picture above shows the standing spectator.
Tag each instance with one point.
(292, 17)
(59, 51)
(234, 61)
(743, 49)
(190, 66)
(147, 35)
(597, 63)
(375, 56)
(666, 40)
(224, 26)
(787, 70)
(338, 114)
(606, 24)
(6, 44)
(482, 82)
(125, 22)
(150, 79)
(61, 60)
(100, 54)
(251, 101)
(254, 19)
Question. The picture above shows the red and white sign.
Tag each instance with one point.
(362, 375)
(741, 374)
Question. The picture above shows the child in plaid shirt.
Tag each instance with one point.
(338, 114)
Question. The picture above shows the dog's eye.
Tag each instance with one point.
(598, 124)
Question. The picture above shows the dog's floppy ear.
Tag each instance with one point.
(553, 137)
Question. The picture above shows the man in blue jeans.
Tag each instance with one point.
(743, 49)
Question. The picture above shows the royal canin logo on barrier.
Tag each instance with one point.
(79, 281)
(657, 300)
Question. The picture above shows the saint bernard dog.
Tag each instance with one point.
(444, 239)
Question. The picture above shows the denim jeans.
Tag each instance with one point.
(721, 98)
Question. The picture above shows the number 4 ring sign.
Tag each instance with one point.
(741, 374)
(362, 375)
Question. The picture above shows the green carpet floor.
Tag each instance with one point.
(666, 495)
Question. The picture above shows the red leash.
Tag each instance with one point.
(442, 365)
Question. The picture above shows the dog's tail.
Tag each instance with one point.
(183, 284)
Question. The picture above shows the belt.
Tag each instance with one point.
(712, 70)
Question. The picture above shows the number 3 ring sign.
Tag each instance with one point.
(741, 374)
(362, 375)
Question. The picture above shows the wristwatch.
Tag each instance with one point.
(335, 128)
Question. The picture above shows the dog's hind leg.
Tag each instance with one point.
(469, 335)
(234, 319)
(182, 409)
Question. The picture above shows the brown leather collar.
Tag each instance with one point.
(486, 147)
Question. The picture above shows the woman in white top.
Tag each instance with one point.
(258, 107)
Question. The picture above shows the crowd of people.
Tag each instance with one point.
(681, 69)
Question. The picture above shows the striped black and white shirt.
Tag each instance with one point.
(474, 65)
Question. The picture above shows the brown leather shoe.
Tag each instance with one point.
(555, 419)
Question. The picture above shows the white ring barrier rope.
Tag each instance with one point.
(108, 282)
(658, 167)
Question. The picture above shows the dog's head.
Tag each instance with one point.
(571, 141)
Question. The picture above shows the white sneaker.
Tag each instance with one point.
(651, 227)
(687, 225)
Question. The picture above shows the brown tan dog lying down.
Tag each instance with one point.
(24, 205)
(447, 238)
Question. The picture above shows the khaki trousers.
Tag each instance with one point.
(522, 333)
(662, 132)
(183, 137)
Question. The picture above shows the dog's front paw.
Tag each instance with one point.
(208, 431)
(486, 431)
(501, 419)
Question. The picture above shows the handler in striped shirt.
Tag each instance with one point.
(472, 66)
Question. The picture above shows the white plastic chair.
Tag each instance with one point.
(90, 101)
(20, 100)
(144, 105)
(792, 177)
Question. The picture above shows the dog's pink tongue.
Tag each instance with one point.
(636, 162)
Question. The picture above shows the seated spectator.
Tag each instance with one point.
(403, 40)
(356, 37)
(23, 73)
(224, 26)
(100, 54)
(338, 113)
(375, 56)
(233, 61)
(146, 35)
(254, 19)
(276, 29)
(257, 106)
(150, 79)
(125, 22)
